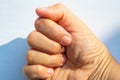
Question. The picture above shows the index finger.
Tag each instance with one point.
(52, 30)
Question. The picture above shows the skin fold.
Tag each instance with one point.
(64, 48)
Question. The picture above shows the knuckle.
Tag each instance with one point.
(40, 22)
(29, 72)
(30, 37)
(24, 69)
(36, 23)
(30, 56)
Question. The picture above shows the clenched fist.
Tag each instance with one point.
(64, 48)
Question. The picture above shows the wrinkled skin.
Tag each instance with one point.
(86, 57)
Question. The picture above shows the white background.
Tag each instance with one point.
(17, 21)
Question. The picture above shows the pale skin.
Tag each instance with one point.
(64, 48)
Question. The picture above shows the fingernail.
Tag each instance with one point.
(63, 59)
(63, 50)
(50, 71)
(66, 40)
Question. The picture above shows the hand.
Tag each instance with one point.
(64, 48)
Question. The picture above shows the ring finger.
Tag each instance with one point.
(37, 57)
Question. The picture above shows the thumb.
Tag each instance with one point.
(60, 14)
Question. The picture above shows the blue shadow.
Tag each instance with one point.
(12, 59)
(113, 44)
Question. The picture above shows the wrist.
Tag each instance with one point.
(115, 71)
(104, 66)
